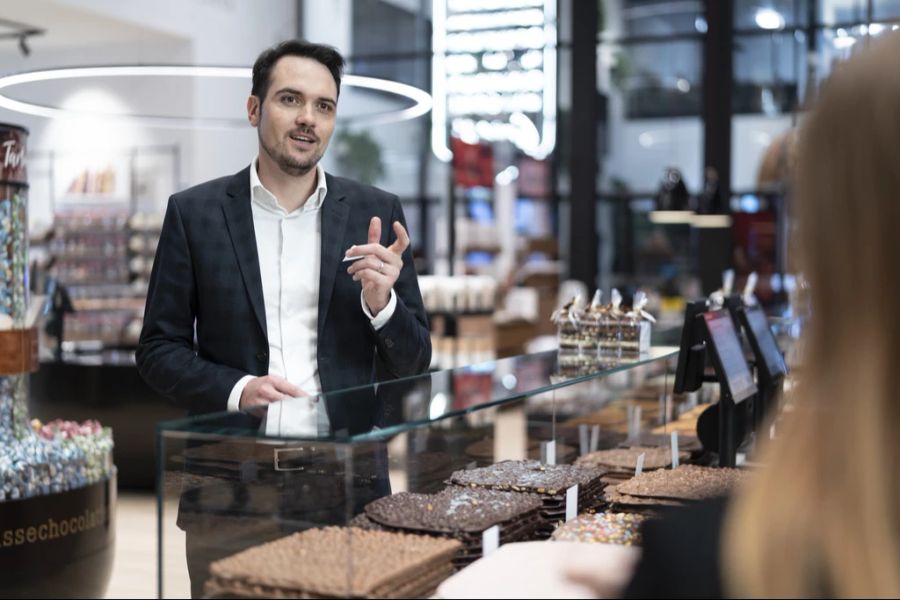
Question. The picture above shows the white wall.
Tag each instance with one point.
(103, 32)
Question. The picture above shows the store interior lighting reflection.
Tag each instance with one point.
(438, 406)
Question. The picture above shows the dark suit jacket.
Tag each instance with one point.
(207, 271)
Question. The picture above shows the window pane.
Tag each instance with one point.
(767, 72)
(887, 9)
(658, 17)
(381, 27)
(659, 79)
(833, 12)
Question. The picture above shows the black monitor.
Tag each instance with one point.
(728, 357)
(692, 350)
(734, 303)
(735, 381)
(759, 334)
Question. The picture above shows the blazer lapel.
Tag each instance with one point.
(239, 219)
(335, 213)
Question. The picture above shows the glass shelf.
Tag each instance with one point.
(405, 404)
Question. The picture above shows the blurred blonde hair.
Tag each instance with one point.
(822, 517)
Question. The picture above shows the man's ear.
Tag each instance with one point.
(253, 110)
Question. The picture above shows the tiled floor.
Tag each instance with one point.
(134, 570)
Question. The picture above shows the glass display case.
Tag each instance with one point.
(265, 496)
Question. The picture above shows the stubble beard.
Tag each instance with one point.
(287, 163)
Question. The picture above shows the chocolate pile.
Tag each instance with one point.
(336, 562)
(461, 513)
(621, 463)
(602, 528)
(673, 487)
(548, 481)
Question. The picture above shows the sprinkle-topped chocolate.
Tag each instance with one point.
(602, 528)
(453, 509)
(626, 458)
(528, 476)
(687, 482)
(314, 563)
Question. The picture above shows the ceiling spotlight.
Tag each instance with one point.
(23, 46)
(768, 18)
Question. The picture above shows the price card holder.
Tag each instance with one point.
(595, 438)
(490, 540)
(675, 450)
(548, 452)
(639, 467)
(571, 503)
(583, 443)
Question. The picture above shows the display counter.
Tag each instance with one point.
(245, 492)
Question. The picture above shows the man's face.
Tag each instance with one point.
(296, 118)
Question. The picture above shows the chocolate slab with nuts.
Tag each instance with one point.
(528, 476)
(314, 563)
(459, 512)
(617, 500)
(625, 459)
(451, 510)
(687, 482)
(549, 481)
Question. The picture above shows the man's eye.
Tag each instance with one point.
(324, 106)
(289, 99)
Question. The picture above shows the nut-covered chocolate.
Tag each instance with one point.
(317, 562)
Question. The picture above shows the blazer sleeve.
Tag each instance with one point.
(165, 355)
(404, 343)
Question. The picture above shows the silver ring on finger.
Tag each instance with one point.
(381, 267)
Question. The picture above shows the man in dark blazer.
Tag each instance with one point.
(280, 282)
(207, 269)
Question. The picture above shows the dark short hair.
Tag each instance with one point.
(262, 68)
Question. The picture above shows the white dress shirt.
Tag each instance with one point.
(289, 247)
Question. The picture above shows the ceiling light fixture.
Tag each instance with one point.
(421, 99)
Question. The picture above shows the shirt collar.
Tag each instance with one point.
(266, 199)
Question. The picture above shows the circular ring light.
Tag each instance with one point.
(420, 98)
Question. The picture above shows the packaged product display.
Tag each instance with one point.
(566, 320)
(548, 481)
(602, 528)
(460, 513)
(61, 472)
(314, 564)
(635, 327)
(586, 336)
(59, 456)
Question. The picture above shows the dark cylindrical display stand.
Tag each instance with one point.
(59, 545)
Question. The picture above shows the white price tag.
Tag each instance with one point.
(583, 439)
(490, 540)
(571, 503)
(595, 438)
(548, 451)
(639, 468)
(674, 449)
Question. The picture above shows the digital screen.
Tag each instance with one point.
(771, 355)
(727, 347)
